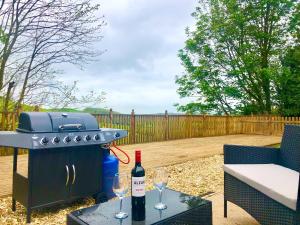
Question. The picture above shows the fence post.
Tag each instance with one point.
(110, 117)
(227, 125)
(204, 127)
(19, 110)
(4, 120)
(166, 125)
(269, 124)
(132, 127)
(36, 108)
(14, 115)
(191, 119)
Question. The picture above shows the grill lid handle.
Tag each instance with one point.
(70, 127)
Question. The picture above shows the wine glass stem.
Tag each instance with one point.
(160, 196)
(121, 204)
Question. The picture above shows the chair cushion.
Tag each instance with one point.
(277, 182)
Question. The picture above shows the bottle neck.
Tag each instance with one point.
(138, 158)
(138, 164)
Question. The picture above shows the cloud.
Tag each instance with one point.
(142, 39)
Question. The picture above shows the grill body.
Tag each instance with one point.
(65, 156)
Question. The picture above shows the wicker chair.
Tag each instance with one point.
(265, 181)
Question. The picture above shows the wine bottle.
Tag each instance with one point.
(138, 189)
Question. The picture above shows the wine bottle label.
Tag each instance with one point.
(138, 186)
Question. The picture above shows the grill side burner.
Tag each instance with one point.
(64, 160)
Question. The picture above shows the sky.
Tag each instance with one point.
(141, 43)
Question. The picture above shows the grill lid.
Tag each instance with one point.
(37, 122)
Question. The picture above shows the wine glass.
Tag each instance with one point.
(160, 181)
(120, 188)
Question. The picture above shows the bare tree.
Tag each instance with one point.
(2, 3)
(40, 35)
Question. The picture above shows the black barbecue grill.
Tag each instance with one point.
(64, 160)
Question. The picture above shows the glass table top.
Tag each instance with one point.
(104, 213)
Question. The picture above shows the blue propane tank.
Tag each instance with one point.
(109, 169)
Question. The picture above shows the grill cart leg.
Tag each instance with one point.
(13, 207)
(28, 215)
(29, 197)
(15, 161)
(225, 207)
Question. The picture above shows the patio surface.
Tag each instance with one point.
(235, 215)
(199, 159)
(154, 154)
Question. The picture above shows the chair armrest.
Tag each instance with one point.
(238, 154)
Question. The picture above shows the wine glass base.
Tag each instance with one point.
(121, 215)
(160, 206)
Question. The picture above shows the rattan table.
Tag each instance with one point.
(182, 209)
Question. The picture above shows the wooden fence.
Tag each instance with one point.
(150, 128)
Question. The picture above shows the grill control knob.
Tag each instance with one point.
(117, 135)
(44, 141)
(97, 137)
(56, 140)
(77, 139)
(87, 138)
(67, 139)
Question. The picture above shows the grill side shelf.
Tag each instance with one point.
(46, 140)
(15, 139)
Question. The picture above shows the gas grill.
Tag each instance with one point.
(39, 130)
(64, 160)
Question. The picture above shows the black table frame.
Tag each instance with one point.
(199, 215)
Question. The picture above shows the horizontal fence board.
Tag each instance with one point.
(144, 128)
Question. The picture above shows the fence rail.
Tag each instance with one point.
(150, 128)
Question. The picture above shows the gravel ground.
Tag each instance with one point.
(197, 177)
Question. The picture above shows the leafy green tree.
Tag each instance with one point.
(232, 56)
(288, 84)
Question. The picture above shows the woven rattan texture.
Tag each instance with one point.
(264, 209)
(290, 147)
(237, 154)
